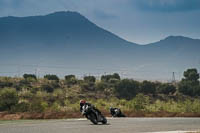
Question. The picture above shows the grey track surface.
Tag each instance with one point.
(116, 125)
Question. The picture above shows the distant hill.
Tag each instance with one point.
(67, 42)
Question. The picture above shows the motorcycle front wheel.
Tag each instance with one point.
(93, 118)
(104, 121)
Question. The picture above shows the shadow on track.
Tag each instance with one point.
(100, 124)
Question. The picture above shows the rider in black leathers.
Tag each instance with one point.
(116, 112)
(83, 102)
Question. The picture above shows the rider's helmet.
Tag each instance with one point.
(82, 102)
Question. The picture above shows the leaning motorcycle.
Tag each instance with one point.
(116, 112)
(93, 115)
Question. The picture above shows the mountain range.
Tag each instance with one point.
(68, 43)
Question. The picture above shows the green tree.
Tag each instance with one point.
(107, 78)
(166, 89)
(127, 88)
(147, 87)
(51, 77)
(8, 99)
(189, 85)
(26, 76)
(116, 76)
(90, 79)
(191, 75)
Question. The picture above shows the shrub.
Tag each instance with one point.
(88, 86)
(101, 86)
(140, 102)
(37, 105)
(8, 99)
(26, 95)
(50, 86)
(88, 83)
(56, 107)
(54, 84)
(24, 83)
(47, 88)
(70, 80)
(21, 107)
(4, 84)
(60, 96)
(34, 90)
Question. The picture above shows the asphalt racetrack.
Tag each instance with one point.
(115, 125)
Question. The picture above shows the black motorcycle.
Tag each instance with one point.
(93, 115)
(116, 112)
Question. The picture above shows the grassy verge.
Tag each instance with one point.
(67, 115)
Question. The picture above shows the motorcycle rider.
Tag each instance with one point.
(83, 103)
(116, 112)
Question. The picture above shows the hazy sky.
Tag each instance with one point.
(140, 21)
